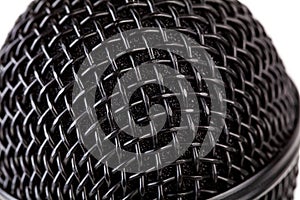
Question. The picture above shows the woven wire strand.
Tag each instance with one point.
(41, 156)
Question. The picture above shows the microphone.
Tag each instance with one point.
(145, 99)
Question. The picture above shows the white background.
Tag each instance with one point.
(280, 18)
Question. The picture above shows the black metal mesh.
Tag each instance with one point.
(284, 189)
(40, 153)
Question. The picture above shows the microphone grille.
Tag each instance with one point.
(41, 153)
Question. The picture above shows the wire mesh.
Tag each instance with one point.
(41, 156)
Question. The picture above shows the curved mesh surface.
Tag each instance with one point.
(41, 156)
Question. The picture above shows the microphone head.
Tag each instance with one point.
(145, 99)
